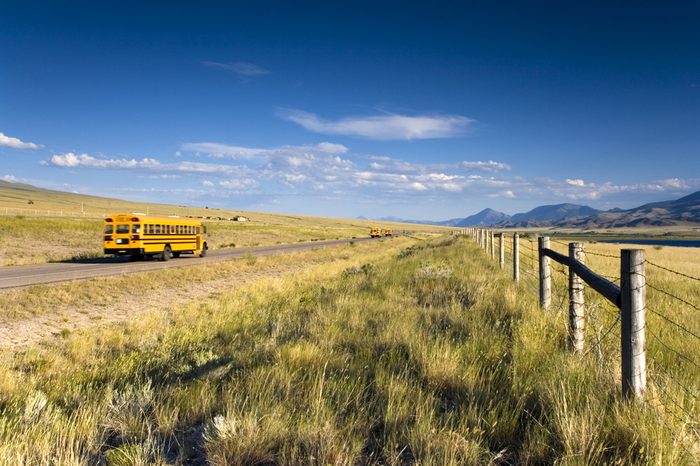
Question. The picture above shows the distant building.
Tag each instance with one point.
(240, 218)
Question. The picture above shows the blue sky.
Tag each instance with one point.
(417, 110)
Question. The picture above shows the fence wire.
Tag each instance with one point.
(676, 324)
(672, 271)
(671, 295)
(677, 388)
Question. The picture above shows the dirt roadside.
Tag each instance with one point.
(18, 334)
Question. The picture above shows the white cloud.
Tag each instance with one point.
(331, 148)
(9, 178)
(292, 178)
(452, 187)
(215, 149)
(165, 176)
(244, 69)
(238, 184)
(439, 177)
(488, 166)
(674, 183)
(383, 127)
(417, 186)
(326, 167)
(71, 160)
(16, 143)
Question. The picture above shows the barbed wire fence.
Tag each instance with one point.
(666, 341)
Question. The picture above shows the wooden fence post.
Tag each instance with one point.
(516, 257)
(493, 246)
(632, 307)
(577, 322)
(488, 236)
(501, 250)
(545, 273)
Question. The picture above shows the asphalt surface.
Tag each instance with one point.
(28, 275)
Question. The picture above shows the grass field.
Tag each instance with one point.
(53, 228)
(423, 355)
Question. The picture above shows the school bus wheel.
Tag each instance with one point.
(204, 251)
(167, 253)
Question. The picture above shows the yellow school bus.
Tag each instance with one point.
(142, 236)
(375, 232)
(388, 232)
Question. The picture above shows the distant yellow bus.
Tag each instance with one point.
(388, 232)
(142, 236)
(375, 232)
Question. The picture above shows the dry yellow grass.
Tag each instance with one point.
(31, 314)
(37, 233)
(431, 355)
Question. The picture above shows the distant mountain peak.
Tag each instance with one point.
(683, 210)
(487, 216)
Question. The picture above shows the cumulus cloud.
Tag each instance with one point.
(243, 69)
(16, 143)
(223, 150)
(488, 166)
(71, 160)
(9, 178)
(418, 186)
(331, 148)
(218, 150)
(384, 127)
(333, 169)
(238, 184)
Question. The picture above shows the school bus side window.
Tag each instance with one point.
(136, 228)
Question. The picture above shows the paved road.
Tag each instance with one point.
(27, 275)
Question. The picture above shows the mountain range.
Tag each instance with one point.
(680, 211)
